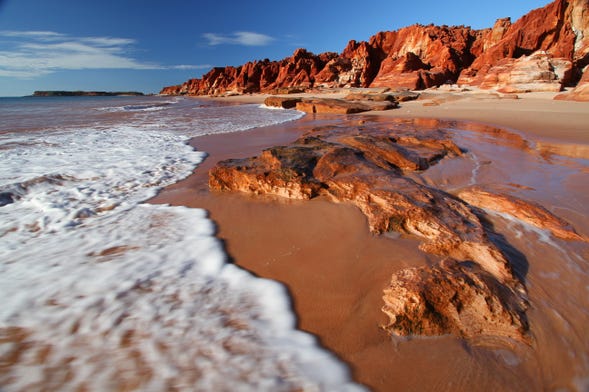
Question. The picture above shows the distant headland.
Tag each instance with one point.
(84, 93)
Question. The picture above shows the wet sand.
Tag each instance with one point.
(335, 269)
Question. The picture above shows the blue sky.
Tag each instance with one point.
(143, 45)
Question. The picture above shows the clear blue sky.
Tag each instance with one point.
(144, 45)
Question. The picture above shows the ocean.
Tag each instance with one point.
(101, 291)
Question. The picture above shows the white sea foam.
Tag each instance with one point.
(135, 108)
(108, 293)
(147, 291)
(239, 118)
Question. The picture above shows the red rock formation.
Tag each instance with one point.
(453, 297)
(526, 211)
(537, 72)
(282, 102)
(581, 92)
(423, 56)
(366, 166)
(353, 103)
(299, 70)
(558, 29)
(418, 57)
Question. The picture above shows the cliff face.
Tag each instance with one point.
(545, 50)
(297, 71)
(558, 32)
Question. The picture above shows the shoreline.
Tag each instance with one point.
(312, 247)
(532, 113)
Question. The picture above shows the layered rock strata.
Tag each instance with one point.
(473, 291)
(544, 50)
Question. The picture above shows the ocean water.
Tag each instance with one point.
(101, 291)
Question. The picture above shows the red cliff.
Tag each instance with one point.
(557, 33)
(545, 50)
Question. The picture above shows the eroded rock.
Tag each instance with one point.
(343, 106)
(282, 102)
(419, 57)
(367, 166)
(526, 211)
(453, 297)
(580, 92)
(537, 72)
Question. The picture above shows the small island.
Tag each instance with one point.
(85, 93)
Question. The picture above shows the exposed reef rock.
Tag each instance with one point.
(544, 50)
(353, 103)
(369, 166)
(282, 102)
(526, 211)
(452, 297)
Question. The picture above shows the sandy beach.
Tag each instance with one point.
(335, 270)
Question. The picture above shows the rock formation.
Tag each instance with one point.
(579, 93)
(340, 106)
(353, 103)
(559, 30)
(453, 297)
(528, 212)
(537, 72)
(544, 50)
(368, 166)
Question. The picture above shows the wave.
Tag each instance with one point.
(148, 292)
(144, 107)
(122, 293)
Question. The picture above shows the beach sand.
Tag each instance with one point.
(335, 270)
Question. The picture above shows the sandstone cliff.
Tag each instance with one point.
(545, 50)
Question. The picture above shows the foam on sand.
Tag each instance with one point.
(101, 292)
(145, 297)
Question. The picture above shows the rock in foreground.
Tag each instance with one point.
(368, 167)
(452, 297)
(528, 212)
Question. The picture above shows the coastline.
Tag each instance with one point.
(313, 247)
(537, 114)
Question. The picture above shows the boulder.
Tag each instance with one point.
(282, 102)
(453, 297)
(377, 97)
(328, 105)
